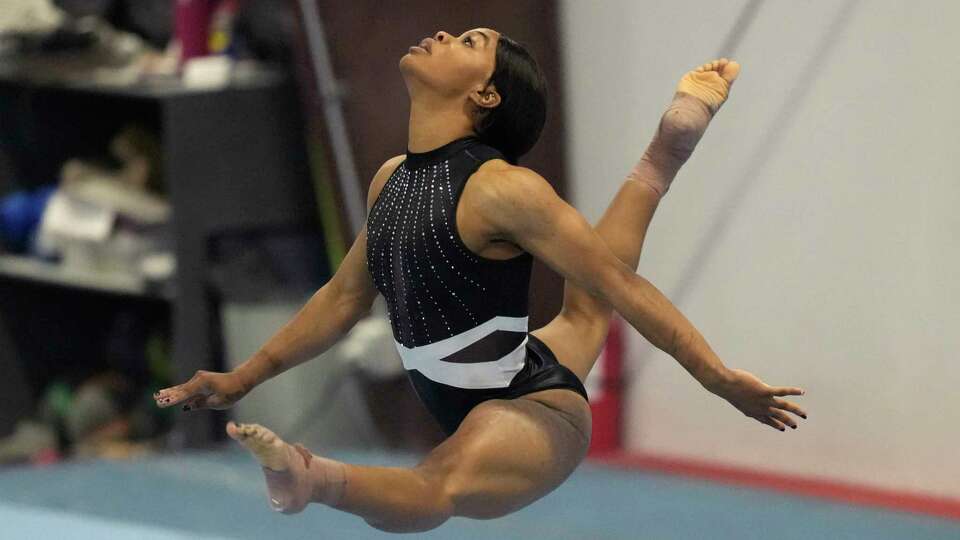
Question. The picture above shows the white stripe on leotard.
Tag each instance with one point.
(475, 375)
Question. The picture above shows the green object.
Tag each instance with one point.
(148, 419)
(158, 360)
(58, 398)
(326, 205)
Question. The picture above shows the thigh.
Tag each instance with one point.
(576, 340)
(508, 453)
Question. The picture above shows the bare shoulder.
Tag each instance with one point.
(381, 176)
(497, 184)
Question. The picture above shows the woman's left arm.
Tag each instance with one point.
(518, 205)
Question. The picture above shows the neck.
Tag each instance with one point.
(434, 123)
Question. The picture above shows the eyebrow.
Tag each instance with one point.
(487, 39)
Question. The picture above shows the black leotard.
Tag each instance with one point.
(459, 320)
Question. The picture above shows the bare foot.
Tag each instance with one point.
(699, 95)
(711, 82)
(294, 476)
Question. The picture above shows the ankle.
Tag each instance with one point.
(681, 128)
(327, 478)
(665, 161)
(655, 172)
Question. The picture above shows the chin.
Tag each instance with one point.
(406, 63)
(410, 69)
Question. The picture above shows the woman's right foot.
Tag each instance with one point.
(294, 476)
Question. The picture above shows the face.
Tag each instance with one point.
(453, 65)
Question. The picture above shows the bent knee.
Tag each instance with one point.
(407, 525)
(428, 513)
(470, 502)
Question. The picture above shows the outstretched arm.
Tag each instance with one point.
(518, 205)
(329, 314)
(324, 319)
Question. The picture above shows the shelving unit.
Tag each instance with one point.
(31, 269)
(234, 160)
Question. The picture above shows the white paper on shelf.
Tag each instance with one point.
(108, 192)
(68, 218)
(207, 72)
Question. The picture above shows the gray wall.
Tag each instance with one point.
(813, 237)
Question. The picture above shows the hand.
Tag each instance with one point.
(206, 390)
(758, 400)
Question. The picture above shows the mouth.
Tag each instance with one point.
(426, 44)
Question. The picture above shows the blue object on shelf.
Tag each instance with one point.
(20, 215)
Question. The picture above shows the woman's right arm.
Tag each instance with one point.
(329, 314)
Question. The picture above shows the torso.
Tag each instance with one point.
(456, 291)
(443, 272)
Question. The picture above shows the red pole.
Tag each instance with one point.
(605, 388)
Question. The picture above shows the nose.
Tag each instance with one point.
(441, 36)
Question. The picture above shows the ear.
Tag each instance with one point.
(486, 98)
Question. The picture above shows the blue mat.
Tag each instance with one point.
(221, 495)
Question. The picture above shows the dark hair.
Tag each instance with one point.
(513, 126)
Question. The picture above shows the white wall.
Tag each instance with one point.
(813, 238)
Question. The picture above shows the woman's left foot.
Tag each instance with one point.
(700, 93)
(711, 82)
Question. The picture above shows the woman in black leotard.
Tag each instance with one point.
(452, 228)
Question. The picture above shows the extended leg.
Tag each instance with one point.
(505, 455)
(577, 334)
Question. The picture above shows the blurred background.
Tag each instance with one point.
(177, 177)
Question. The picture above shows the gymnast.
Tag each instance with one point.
(451, 232)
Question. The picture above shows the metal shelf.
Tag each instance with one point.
(30, 269)
(234, 160)
(155, 89)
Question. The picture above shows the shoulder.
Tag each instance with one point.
(498, 185)
(381, 176)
